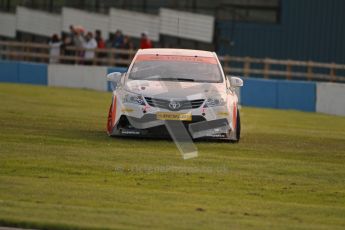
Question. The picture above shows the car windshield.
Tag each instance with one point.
(177, 69)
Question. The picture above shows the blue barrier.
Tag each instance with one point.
(259, 93)
(296, 95)
(115, 69)
(23, 72)
(33, 73)
(279, 94)
(9, 71)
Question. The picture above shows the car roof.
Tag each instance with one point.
(180, 52)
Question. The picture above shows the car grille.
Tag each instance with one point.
(164, 104)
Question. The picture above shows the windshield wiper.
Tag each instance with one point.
(175, 79)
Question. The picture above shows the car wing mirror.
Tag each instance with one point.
(236, 82)
(114, 77)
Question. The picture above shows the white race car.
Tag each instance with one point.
(168, 92)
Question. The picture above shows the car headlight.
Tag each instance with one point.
(133, 99)
(214, 101)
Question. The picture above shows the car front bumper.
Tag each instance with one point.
(145, 120)
(149, 126)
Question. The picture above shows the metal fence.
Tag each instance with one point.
(244, 66)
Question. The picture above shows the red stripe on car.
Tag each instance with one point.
(153, 57)
(234, 116)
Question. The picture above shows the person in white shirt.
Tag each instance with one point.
(88, 43)
(54, 51)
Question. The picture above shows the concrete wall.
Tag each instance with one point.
(330, 98)
(134, 23)
(90, 21)
(8, 25)
(89, 77)
(170, 22)
(74, 76)
(279, 94)
(187, 25)
(37, 22)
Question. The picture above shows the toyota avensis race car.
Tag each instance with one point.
(186, 89)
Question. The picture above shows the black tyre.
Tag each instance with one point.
(238, 126)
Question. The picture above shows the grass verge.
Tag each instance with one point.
(59, 170)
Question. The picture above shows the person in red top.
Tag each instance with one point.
(100, 40)
(100, 44)
(145, 42)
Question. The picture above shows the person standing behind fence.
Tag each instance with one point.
(145, 42)
(100, 44)
(64, 48)
(88, 43)
(54, 51)
(99, 39)
(118, 39)
(128, 46)
(76, 33)
(78, 39)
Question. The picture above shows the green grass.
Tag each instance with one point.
(59, 170)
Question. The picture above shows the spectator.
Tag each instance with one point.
(99, 39)
(127, 45)
(71, 29)
(54, 52)
(67, 42)
(118, 39)
(77, 36)
(109, 42)
(100, 44)
(145, 42)
(88, 43)
(74, 34)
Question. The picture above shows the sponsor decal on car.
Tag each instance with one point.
(130, 132)
(223, 113)
(174, 116)
(218, 135)
(127, 110)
